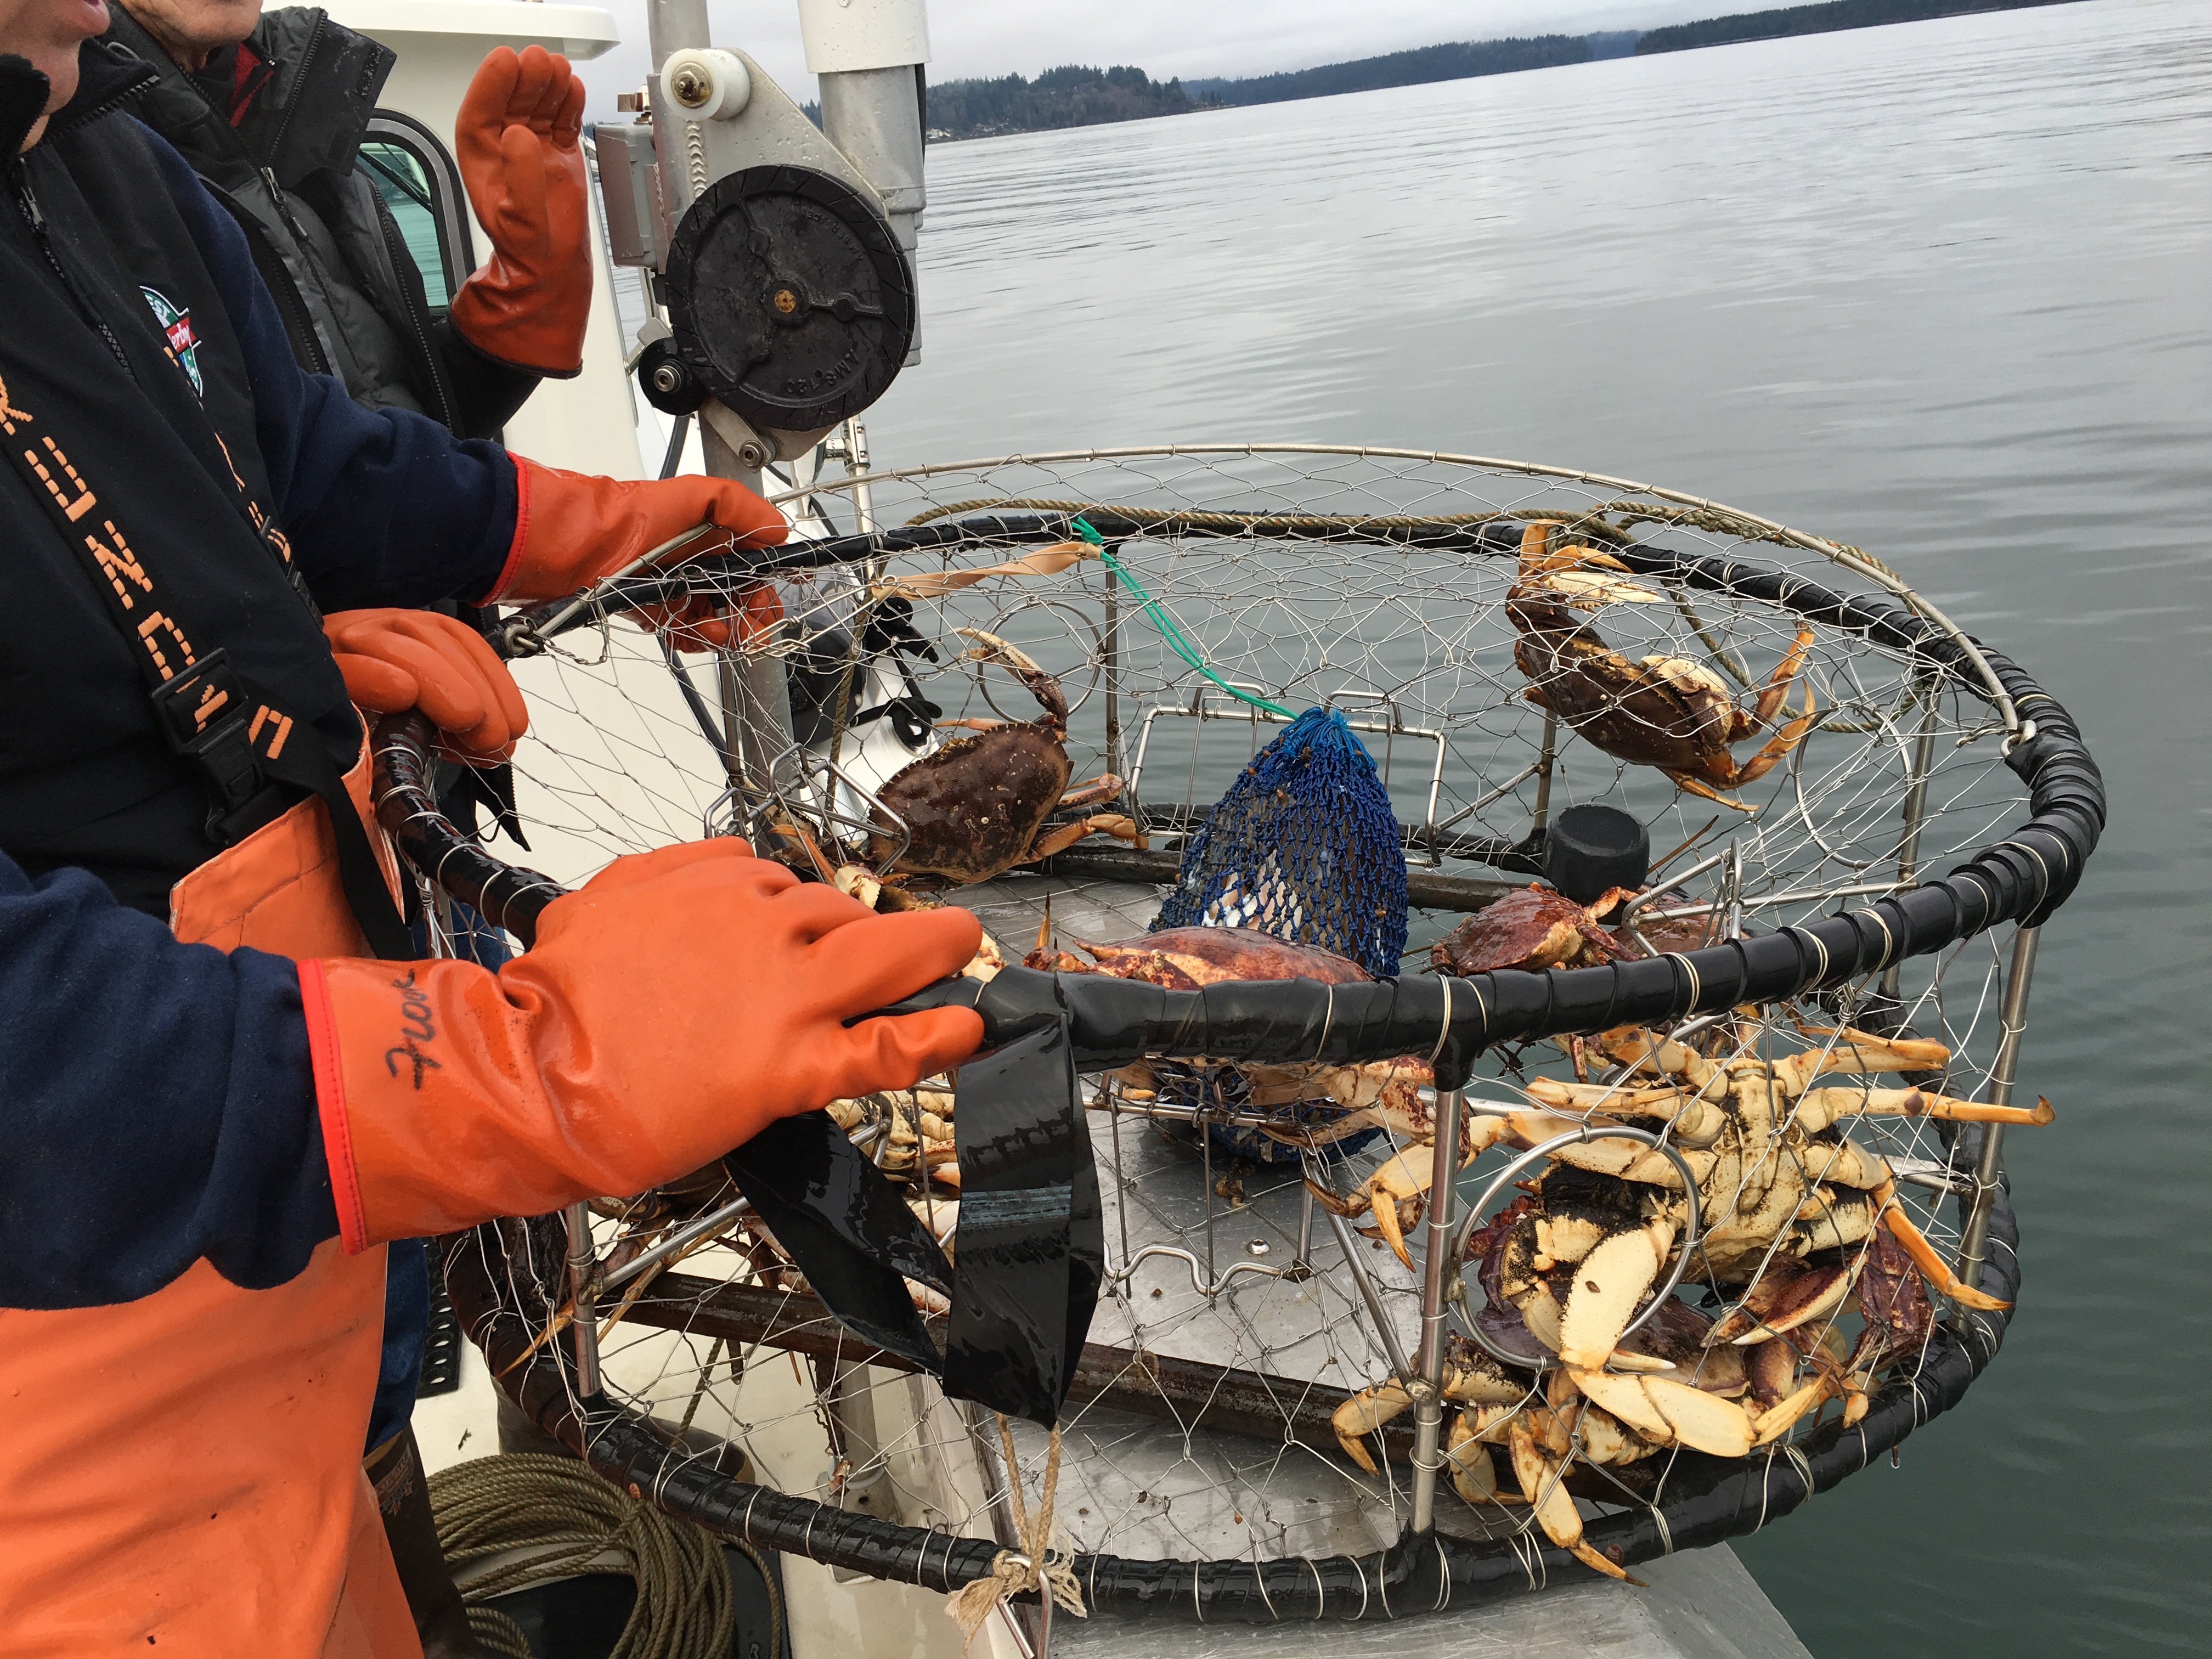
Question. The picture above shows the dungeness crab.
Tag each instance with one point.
(1666, 711)
(1799, 1224)
(1533, 928)
(976, 808)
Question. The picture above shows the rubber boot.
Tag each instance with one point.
(402, 1495)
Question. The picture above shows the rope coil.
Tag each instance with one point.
(553, 1518)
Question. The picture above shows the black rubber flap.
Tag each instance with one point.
(789, 297)
(1031, 1251)
(1590, 848)
(846, 1228)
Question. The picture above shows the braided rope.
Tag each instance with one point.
(1032, 1568)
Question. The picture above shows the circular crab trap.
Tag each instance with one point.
(1656, 1189)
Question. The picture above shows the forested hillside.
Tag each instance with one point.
(1457, 61)
(1813, 19)
(1072, 96)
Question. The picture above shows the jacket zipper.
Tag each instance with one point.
(284, 121)
(396, 249)
(28, 204)
(299, 320)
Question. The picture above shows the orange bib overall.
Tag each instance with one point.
(182, 1474)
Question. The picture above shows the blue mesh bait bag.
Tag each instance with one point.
(1303, 846)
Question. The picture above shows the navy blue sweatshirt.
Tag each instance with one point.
(155, 1100)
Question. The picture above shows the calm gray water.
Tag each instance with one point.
(1942, 290)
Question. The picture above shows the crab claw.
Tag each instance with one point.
(1610, 1284)
(1473, 1476)
(1781, 1301)
(1771, 1425)
(1366, 1414)
(1397, 1182)
(1668, 1412)
(1542, 1477)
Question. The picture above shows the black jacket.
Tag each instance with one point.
(353, 302)
(133, 327)
(156, 1100)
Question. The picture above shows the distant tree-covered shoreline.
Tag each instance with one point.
(1813, 19)
(1078, 95)
(1072, 96)
(1459, 60)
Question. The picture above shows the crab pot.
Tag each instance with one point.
(1808, 1017)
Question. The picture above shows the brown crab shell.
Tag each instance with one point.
(1533, 928)
(973, 809)
(1663, 711)
(1184, 958)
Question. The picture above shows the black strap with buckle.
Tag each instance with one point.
(245, 746)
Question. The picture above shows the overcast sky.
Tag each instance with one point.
(1190, 38)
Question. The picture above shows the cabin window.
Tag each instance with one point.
(422, 188)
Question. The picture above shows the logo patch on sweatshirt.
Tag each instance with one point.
(183, 343)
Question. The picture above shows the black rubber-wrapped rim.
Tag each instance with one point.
(1709, 1499)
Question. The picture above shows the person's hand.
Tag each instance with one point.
(668, 1011)
(395, 660)
(574, 530)
(517, 141)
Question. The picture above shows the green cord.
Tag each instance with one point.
(1170, 630)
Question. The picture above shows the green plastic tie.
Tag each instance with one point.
(1170, 630)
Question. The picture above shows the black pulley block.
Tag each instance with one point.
(667, 380)
(789, 297)
(1589, 848)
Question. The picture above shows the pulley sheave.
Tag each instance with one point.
(789, 297)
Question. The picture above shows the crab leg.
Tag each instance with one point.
(990, 648)
(1473, 1476)
(1777, 745)
(1696, 785)
(1819, 1107)
(1058, 840)
(1933, 1267)
(1778, 684)
(1103, 788)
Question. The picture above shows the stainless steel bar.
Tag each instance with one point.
(1547, 761)
(1302, 1262)
(713, 1222)
(1498, 794)
(1206, 1142)
(1347, 1242)
(729, 683)
(1436, 1265)
(1802, 896)
(1915, 807)
(584, 1326)
(1120, 1179)
(1974, 1236)
(1112, 648)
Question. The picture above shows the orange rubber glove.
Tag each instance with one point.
(516, 140)
(393, 660)
(571, 529)
(671, 1010)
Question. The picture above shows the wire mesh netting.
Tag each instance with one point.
(1766, 1264)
